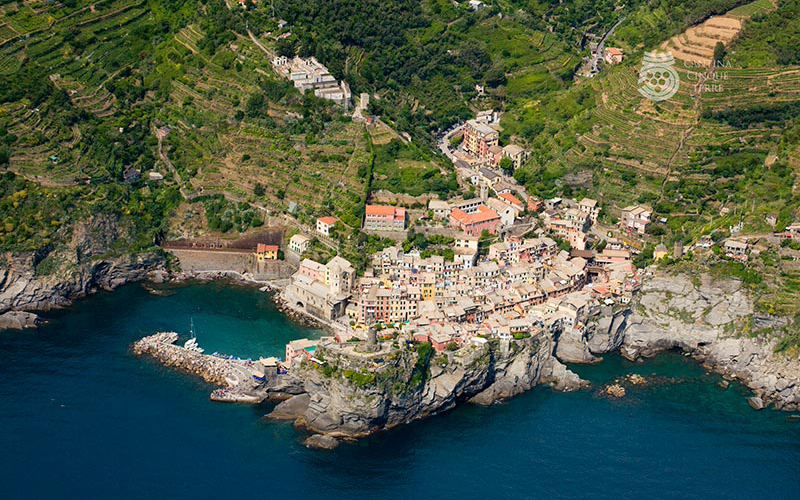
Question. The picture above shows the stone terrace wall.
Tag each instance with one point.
(193, 261)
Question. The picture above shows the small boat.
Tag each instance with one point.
(191, 344)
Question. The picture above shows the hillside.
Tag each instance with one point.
(95, 96)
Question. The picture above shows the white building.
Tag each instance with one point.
(325, 224)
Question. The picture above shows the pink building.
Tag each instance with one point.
(474, 223)
(385, 218)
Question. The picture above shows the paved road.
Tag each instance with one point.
(600, 46)
(444, 142)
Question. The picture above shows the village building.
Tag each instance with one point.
(590, 207)
(300, 348)
(484, 218)
(299, 243)
(635, 218)
(384, 218)
(266, 252)
(322, 290)
(736, 249)
(512, 201)
(479, 137)
(507, 213)
(489, 177)
(440, 208)
(325, 224)
(516, 154)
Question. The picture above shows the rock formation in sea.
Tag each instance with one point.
(87, 262)
(715, 321)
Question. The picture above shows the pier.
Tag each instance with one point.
(237, 377)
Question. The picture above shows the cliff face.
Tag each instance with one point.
(412, 385)
(82, 265)
(713, 320)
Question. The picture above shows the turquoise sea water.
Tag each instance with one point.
(82, 417)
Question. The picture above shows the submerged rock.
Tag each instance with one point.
(18, 320)
(321, 441)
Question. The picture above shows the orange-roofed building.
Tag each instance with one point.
(325, 224)
(474, 223)
(384, 218)
(613, 55)
(512, 201)
(266, 252)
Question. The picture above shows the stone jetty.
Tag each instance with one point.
(236, 376)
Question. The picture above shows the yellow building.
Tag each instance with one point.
(266, 252)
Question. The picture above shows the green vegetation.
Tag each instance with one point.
(362, 378)
(404, 168)
(422, 366)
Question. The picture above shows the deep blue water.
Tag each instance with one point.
(82, 417)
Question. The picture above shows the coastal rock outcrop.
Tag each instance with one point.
(84, 264)
(356, 393)
(18, 320)
(607, 330)
(710, 318)
(572, 347)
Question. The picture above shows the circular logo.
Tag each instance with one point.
(658, 80)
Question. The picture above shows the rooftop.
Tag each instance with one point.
(482, 214)
(397, 212)
(510, 198)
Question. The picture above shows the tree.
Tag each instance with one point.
(506, 165)
(259, 190)
(719, 53)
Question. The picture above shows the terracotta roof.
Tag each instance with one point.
(266, 248)
(397, 212)
(511, 198)
(614, 51)
(483, 214)
(327, 220)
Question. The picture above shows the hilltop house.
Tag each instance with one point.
(613, 55)
(325, 224)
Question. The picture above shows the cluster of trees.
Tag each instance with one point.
(223, 215)
(777, 113)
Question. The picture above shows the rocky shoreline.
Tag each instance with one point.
(407, 384)
(704, 318)
(710, 321)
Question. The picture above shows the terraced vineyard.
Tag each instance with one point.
(209, 147)
(671, 155)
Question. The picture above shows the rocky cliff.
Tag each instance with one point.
(354, 394)
(712, 319)
(88, 260)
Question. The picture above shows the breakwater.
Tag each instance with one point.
(236, 376)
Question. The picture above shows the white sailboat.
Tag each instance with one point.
(191, 344)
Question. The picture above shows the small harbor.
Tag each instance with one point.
(241, 380)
